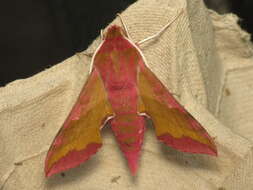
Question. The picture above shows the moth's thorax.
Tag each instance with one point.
(117, 62)
(117, 54)
(117, 58)
(115, 32)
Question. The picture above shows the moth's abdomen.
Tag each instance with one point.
(129, 131)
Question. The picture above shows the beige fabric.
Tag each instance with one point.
(184, 57)
(236, 54)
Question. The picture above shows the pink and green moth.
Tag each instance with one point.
(122, 91)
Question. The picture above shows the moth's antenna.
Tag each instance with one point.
(160, 32)
(124, 26)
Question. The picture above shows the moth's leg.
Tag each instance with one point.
(124, 26)
(88, 54)
(78, 54)
(160, 32)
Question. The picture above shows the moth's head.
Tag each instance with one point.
(114, 32)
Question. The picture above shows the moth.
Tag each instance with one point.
(123, 92)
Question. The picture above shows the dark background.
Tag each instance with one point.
(243, 8)
(36, 34)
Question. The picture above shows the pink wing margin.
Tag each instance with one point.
(174, 126)
(79, 137)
